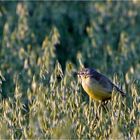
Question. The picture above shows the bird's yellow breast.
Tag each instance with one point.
(95, 90)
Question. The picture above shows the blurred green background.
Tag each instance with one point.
(41, 42)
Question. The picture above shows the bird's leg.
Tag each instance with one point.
(96, 107)
(104, 102)
(104, 105)
(98, 111)
(96, 119)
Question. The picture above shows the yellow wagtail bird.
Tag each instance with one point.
(96, 85)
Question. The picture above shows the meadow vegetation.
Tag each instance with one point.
(42, 44)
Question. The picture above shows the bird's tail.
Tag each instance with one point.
(122, 93)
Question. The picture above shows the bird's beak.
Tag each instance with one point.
(78, 74)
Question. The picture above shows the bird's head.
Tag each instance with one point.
(85, 73)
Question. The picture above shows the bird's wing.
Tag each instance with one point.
(104, 82)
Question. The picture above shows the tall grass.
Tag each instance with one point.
(57, 110)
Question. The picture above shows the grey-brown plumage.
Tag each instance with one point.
(97, 85)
